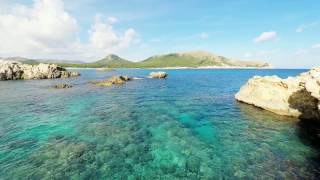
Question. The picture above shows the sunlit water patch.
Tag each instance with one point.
(185, 127)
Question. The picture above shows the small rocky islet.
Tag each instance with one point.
(63, 86)
(118, 80)
(11, 70)
(295, 96)
(114, 80)
(159, 75)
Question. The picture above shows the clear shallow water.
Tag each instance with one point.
(185, 127)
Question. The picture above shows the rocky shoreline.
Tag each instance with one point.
(11, 70)
(295, 96)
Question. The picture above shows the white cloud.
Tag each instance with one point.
(112, 20)
(316, 46)
(266, 36)
(45, 29)
(103, 36)
(204, 35)
(303, 27)
(44, 26)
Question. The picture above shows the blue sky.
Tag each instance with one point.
(284, 33)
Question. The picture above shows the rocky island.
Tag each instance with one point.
(295, 96)
(12, 70)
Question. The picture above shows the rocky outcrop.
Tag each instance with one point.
(158, 75)
(62, 86)
(10, 70)
(295, 96)
(114, 80)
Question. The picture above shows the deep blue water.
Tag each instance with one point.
(187, 126)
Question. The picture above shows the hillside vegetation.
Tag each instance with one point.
(188, 59)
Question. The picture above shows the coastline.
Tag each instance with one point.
(201, 67)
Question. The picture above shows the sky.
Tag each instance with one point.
(284, 33)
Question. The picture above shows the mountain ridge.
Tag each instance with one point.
(192, 59)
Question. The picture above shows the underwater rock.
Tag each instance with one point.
(295, 96)
(60, 158)
(114, 80)
(193, 164)
(62, 86)
(11, 70)
(158, 75)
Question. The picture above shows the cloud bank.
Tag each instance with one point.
(45, 29)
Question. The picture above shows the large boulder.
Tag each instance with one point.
(158, 75)
(10, 70)
(295, 96)
(114, 80)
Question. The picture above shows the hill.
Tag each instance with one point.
(197, 59)
(188, 59)
(114, 61)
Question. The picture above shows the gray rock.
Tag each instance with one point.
(10, 70)
(295, 96)
(158, 75)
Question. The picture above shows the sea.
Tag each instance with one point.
(188, 126)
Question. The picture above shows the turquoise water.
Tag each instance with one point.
(185, 127)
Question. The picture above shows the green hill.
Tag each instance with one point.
(110, 61)
(188, 59)
(114, 61)
(196, 59)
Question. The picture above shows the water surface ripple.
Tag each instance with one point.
(185, 127)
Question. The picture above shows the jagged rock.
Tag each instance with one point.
(158, 74)
(62, 86)
(10, 70)
(112, 81)
(295, 96)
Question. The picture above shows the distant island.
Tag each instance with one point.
(194, 59)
